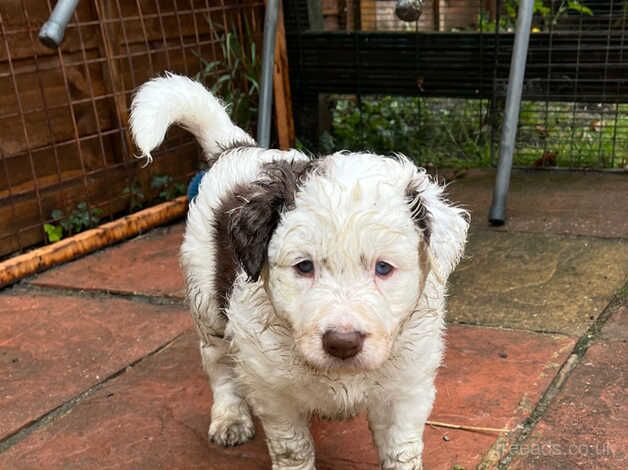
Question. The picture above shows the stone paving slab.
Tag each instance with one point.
(535, 281)
(616, 328)
(561, 202)
(54, 347)
(147, 265)
(156, 414)
(585, 426)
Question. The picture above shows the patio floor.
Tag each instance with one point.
(99, 363)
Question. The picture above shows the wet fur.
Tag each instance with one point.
(257, 213)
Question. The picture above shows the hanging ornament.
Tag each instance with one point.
(409, 10)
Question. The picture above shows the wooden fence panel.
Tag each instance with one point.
(64, 113)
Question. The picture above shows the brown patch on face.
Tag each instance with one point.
(247, 218)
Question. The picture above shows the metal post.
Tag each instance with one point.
(51, 33)
(497, 213)
(266, 79)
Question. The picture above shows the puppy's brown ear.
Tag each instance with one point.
(443, 225)
(264, 201)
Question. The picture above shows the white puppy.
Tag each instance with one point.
(316, 286)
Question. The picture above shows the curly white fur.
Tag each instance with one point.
(349, 213)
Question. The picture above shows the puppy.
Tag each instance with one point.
(317, 286)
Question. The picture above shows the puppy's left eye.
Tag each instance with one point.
(383, 269)
(305, 267)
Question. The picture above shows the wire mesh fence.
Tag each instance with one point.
(66, 156)
(434, 88)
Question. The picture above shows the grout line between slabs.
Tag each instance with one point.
(69, 291)
(48, 417)
(580, 348)
(509, 328)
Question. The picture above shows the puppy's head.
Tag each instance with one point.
(344, 246)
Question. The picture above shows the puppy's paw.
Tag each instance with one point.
(232, 427)
(415, 464)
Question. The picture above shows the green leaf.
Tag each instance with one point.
(159, 181)
(54, 233)
(579, 7)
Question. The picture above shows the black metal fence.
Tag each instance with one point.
(435, 88)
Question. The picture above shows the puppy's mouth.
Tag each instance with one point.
(327, 363)
(349, 352)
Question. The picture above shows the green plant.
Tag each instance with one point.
(458, 133)
(545, 16)
(443, 132)
(576, 134)
(235, 77)
(167, 188)
(135, 194)
(81, 218)
(54, 233)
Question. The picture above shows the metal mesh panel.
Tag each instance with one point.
(66, 154)
(435, 88)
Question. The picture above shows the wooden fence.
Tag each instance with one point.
(64, 113)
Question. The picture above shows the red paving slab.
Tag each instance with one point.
(146, 265)
(157, 413)
(54, 347)
(585, 426)
(564, 202)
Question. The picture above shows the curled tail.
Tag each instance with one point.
(175, 99)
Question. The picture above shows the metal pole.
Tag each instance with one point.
(497, 213)
(266, 79)
(51, 33)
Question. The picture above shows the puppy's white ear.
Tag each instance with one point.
(443, 225)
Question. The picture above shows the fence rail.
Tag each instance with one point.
(462, 65)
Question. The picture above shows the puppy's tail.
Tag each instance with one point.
(174, 99)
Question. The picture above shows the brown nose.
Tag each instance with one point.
(343, 345)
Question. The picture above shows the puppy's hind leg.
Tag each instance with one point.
(231, 422)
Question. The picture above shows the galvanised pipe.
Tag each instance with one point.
(51, 33)
(266, 79)
(497, 213)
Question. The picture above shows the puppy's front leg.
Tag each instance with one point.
(287, 435)
(397, 425)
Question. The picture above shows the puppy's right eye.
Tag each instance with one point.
(305, 267)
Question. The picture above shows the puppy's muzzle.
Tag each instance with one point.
(343, 345)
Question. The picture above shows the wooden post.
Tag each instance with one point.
(112, 76)
(368, 15)
(436, 14)
(349, 15)
(281, 84)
